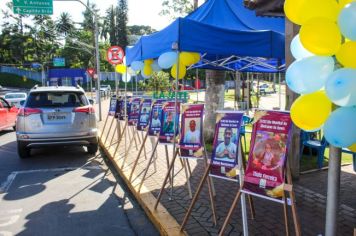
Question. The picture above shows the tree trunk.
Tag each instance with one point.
(294, 151)
(214, 100)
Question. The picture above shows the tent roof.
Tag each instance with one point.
(218, 28)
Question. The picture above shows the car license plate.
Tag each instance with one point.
(56, 116)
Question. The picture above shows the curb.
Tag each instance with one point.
(160, 217)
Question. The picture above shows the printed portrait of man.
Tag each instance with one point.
(192, 134)
(226, 151)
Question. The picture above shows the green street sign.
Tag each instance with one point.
(59, 61)
(33, 7)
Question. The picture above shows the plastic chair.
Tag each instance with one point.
(313, 144)
(346, 150)
(245, 121)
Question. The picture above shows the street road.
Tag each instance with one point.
(64, 191)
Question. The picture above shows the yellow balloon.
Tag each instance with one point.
(196, 57)
(342, 3)
(186, 58)
(182, 71)
(148, 61)
(147, 70)
(310, 111)
(352, 147)
(320, 36)
(121, 68)
(346, 54)
(301, 11)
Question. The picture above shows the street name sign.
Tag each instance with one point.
(33, 7)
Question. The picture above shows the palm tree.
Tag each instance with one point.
(65, 24)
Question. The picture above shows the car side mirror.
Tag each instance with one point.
(91, 101)
(22, 103)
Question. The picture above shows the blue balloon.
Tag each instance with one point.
(155, 66)
(341, 87)
(346, 21)
(340, 128)
(309, 74)
(297, 49)
(137, 65)
(167, 59)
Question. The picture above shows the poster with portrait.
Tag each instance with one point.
(226, 145)
(170, 122)
(191, 141)
(145, 110)
(114, 106)
(265, 170)
(133, 111)
(155, 117)
(121, 102)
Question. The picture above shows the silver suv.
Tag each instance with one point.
(56, 116)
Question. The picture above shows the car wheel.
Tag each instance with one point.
(23, 151)
(92, 148)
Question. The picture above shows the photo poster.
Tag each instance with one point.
(169, 113)
(265, 172)
(155, 118)
(122, 106)
(226, 145)
(113, 108)
(145, 110)
(134, 111)
(191, 141)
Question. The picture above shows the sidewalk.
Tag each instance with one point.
(310, 194)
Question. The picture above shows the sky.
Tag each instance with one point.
(141, 12)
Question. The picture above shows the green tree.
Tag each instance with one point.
(122, 19)
(158, 82)
(65, 24)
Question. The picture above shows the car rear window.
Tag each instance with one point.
(7, 96)
(56, 99)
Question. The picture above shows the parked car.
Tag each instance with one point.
(56, 116)
(7, 115)
(185, 87)
(106, 89)
(15, 98)
(263, 88)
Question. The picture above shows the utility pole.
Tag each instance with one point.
(96, 42)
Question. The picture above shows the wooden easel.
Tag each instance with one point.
(287, 188)
(200, 186)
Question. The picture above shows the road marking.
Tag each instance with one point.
(6, 233)
(12, 220)
(4, 187)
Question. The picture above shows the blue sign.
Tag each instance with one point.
(59, 61)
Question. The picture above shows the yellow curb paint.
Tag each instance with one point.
(164, 222)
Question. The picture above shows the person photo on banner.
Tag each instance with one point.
(144, 115)
(134, 110)
(168, 124)
(226, 150)
(156, 122)
(192, 135)
(268, 154)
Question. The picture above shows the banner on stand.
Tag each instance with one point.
(265, 172)
(134, 111)
(145, 110)
(155, 117)
(226, 145)
(191, 141)
(170, 116)
(122, 106)
(114, 106)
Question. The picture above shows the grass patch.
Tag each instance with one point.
(12, 80)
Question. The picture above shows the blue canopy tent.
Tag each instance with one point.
(226, 34)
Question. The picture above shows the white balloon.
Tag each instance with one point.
(126, 77)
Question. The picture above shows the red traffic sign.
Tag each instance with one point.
(91, 71)
(197, 83)
(115, 55)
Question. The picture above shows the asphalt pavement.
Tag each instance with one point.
(64, 191)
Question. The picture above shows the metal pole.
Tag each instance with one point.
(279, 91)
(97, 61)
(243, 197)
(43, 76)
(332, 201)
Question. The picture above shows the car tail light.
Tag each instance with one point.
(28, 111)
(85, 109)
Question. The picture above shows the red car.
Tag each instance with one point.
(7, 115)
